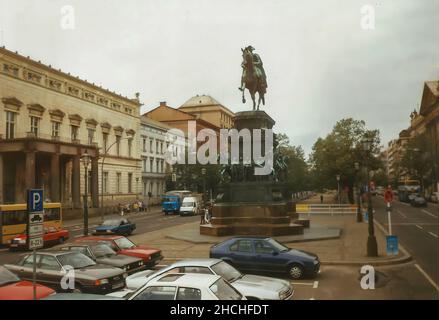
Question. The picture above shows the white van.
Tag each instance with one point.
(190, 206)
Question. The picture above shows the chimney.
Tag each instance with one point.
(162, 103)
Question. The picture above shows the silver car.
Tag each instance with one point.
(251, 286)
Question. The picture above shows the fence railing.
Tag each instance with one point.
(331, 209)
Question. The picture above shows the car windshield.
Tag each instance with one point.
(224, 291)
(124, 243)
(112, 222)
(188, 204)
(7, 277)
(226, 271)
(76, 260)
(277, 245)
(102, 250)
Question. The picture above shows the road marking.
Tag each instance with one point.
(6, 249)
(434, 284)
(433, 234)
(406, 204)
(419, 227)
(429, 213)
(315, 285)
(402, 214)
(305, 283)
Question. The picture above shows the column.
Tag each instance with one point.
(76, 183)
(1, 178)
(54, 178)
(95, 182)
(30, 170)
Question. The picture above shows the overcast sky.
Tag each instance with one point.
(321, 64)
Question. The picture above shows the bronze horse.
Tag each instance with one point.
(253, 83)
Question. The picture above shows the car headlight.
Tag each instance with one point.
(104, 281)
(124, 268)
(316, 262)
(101, 282)
(140, 263)
(125, 275)
(108, 231)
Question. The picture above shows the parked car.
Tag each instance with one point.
(418, 201)
(179, 286)
(433, 197)
(262, 254)
(51, 236)
(191, 206)
(101, 253)
(411, 197)
(90, 277)
(124, 246)
(251, 286)
(13, 288)
(120, 226)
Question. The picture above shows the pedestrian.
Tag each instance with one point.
(321, 198)
(121, 209)
(135, 207)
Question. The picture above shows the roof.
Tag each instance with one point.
(187, 279)
(430, 96)
(154, 123)
(196, 262)
(201, 101)
(91, 238)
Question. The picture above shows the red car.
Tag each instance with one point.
(123, 245)
(12, 288)
(51, 236)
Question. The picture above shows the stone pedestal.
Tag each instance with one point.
(252, 205)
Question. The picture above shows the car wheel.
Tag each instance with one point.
(61, 240)
(295, 271)
(78, 289)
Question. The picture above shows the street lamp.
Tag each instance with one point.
(86, 162)
(359, 215)
(372, 246)
(338, 188)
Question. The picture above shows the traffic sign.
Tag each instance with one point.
(388, 195)
(36, 243)
(35, 200)
(35, 227)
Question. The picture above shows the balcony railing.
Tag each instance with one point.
(42, 136)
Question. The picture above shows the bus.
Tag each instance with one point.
(406, 188)
(13, 219)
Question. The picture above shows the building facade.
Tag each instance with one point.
(153, 146)
(49, 120)
(207, 108)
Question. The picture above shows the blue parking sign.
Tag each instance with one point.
(392, 245)
(35, 200)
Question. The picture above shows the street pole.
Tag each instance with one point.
(359, 215)
(34, 275)
(389, 218)
(372, 246)
(86, 159)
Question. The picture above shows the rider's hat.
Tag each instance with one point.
(250, 48)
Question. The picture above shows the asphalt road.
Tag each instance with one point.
(418, 231)
(155, 220)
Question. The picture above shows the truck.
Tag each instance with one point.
(406, 188)
(172, 200)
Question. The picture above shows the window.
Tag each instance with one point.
(130, 182)
(188, 294)
(225, 291)
(144, 145)
(10, 125)
(242, 246)
(144, 164)
(74, 133)
(34, 125)
(157, 293)
(28, 262)
(55, 129)
(156, 147)
(118, 182)
(118, 145)
(130, 145)
(151, 165)
(49, 263)
(161, 147)
(105, 142)
(262, 247)
(91, 136)
(203, 270)
(157, 165)
(150, 145)
(105, 182)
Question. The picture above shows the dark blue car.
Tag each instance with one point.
(262, 254)
(119, 226)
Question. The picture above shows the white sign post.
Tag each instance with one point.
(35, 228)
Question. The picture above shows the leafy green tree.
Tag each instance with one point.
(337, 153)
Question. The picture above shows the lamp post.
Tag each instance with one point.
(359, 215)
(338, 188)
(372, 246)
(86, 161)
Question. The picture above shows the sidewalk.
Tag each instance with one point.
(97, 220)
(348, 249)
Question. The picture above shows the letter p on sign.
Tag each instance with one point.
(35, 200)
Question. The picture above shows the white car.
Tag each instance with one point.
(190, 206)
(178, 286)
(251, 286)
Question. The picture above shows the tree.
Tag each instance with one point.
(337, 153)
(417, 159)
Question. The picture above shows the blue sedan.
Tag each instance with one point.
(116, 226)
(262, 254)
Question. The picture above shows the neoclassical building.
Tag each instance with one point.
(49, 120)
